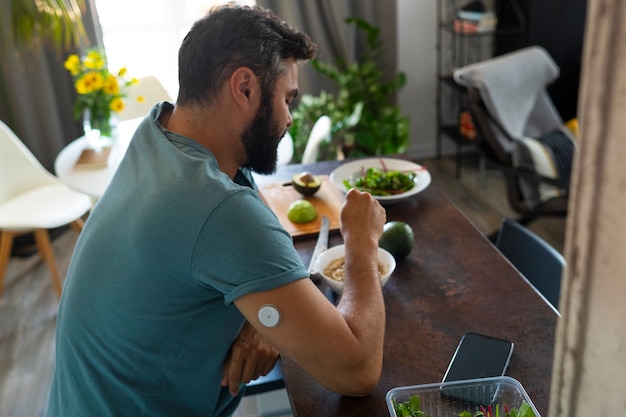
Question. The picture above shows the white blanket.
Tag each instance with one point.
(511, 84)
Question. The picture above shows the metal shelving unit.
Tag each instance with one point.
(456, 49)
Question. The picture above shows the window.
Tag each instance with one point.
(144, 35)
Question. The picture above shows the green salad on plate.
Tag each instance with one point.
(382, 182)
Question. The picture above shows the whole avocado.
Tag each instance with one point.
(397, 239)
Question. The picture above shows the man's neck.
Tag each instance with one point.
(202, 129)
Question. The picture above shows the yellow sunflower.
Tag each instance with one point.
(94, 61)
(72, 64)
(117, 105)
(89, 82)
(111, 86)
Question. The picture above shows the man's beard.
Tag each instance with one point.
(260, 139)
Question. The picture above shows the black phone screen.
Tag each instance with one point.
(478, 356)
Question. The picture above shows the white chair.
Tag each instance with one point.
(149, 91)
(33, 200)
(320, 133)
(285, 150)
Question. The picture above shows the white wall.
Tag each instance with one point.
(417, 58)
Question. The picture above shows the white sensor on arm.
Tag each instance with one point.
(269, 316)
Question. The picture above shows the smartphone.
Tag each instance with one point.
(477, 356)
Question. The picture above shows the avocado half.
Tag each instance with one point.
(306, 183)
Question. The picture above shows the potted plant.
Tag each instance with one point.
(365, 121)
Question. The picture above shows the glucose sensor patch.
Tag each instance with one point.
(269, 315)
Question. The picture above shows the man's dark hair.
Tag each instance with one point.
(230, 37)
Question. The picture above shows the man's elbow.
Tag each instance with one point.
(358, 384)
(363, 389)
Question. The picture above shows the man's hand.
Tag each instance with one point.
(362, 219)
(251, 356)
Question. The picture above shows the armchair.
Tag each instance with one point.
(520, 131)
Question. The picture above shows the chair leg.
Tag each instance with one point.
(45, 250)
(6, 242)
(78, 225)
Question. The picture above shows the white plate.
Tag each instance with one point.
(352, 170)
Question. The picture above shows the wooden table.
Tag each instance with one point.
(454, 281)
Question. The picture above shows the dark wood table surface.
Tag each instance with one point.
(454, 281)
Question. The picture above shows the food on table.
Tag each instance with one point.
(383, 182)
(410, 408)
(397, 239)
(413, 408)
(336, 269)
(306, 183)
(301, 211)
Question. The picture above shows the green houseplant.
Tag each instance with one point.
(27, 23)
(365, 121)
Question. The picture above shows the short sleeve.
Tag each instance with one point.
(243, 248)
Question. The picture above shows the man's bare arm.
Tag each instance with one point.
(339, 346)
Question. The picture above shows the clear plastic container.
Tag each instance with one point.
(451, 398)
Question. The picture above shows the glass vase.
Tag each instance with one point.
(98, 128)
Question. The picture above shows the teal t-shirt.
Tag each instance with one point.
(146, 317)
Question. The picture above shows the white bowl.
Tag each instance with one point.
(384, 257)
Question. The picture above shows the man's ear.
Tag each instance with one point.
(243, 86)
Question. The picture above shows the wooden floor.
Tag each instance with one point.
(28, 308)
(28, 304)
(482, 198)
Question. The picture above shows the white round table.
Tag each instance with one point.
(93, 181)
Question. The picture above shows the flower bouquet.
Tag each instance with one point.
(100, 92)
